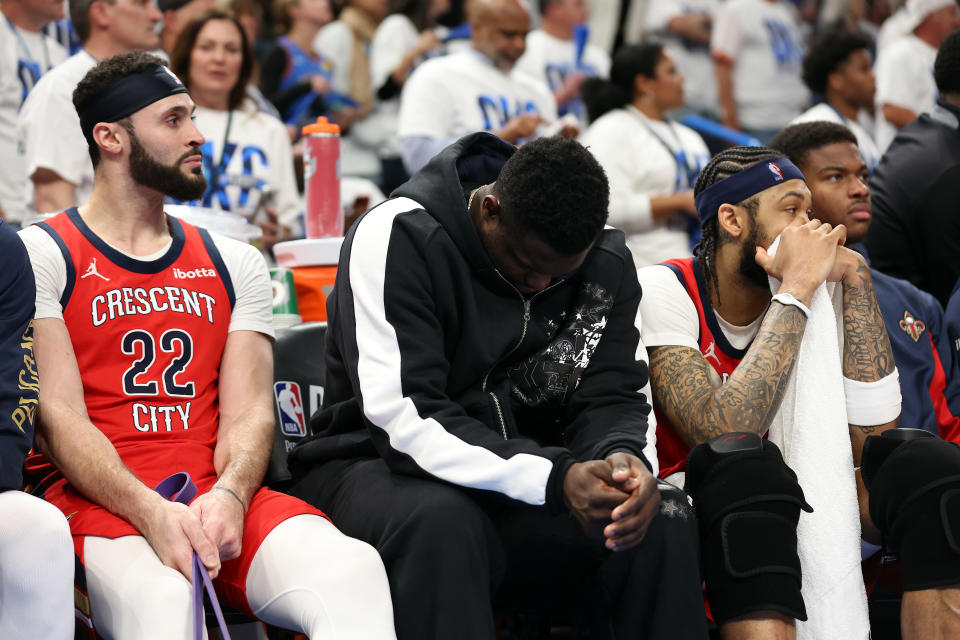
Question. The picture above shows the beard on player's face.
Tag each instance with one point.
(749, 269)
(167, 179)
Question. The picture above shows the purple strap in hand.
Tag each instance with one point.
(179, 487)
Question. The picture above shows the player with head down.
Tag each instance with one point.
(728, 334)
(153, 345)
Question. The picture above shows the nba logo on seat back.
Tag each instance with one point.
(290, 408)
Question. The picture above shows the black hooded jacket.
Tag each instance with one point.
(439, 365)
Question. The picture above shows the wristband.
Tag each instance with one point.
(873, 403)
(234, 494)
(787, 299)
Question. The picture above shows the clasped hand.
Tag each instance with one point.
(616, 499)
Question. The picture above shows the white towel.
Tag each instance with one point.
(811, 430)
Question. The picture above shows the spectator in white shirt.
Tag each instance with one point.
(402, 41)
(48, 126)
(840, 70)
(684, 27)
(346, 42)
(555, 58)
(758, 54)
(477, 89)
(26, 53)
(651, 162)
(905, 84)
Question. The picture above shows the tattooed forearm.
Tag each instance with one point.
(701, 408)
(867, 355)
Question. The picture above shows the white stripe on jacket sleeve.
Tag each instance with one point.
(440, 453)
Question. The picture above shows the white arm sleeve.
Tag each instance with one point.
(668, 315)
(49, 271)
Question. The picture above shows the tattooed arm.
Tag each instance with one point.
(687, 388)
(700, 407)
(867, 357)
(867, 354)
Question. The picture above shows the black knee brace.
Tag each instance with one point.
(914, 484)
(748, 503)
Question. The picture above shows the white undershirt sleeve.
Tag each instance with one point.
(49, 270)
(668, 315)
(253, 309)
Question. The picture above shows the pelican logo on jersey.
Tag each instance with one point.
(130, 301)
(28, 382)
(290, 408)
(911, 326)
(497, 110)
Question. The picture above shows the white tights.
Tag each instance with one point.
(306, 577)
(36, 569)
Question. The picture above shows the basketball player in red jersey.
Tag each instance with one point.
(154, 354)
(722, 347)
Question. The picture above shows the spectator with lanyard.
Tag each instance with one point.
(652, 162)
(839, 68)
(247, 153)
(403, 40)
(297, 80)
(26, 53)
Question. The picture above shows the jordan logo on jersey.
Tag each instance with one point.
(711, 352)
(911, 326)
(92, 271)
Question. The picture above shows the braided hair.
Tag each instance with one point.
(723, 165)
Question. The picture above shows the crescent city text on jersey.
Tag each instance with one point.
(129, 301)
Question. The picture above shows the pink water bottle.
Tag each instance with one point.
(321, 179)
